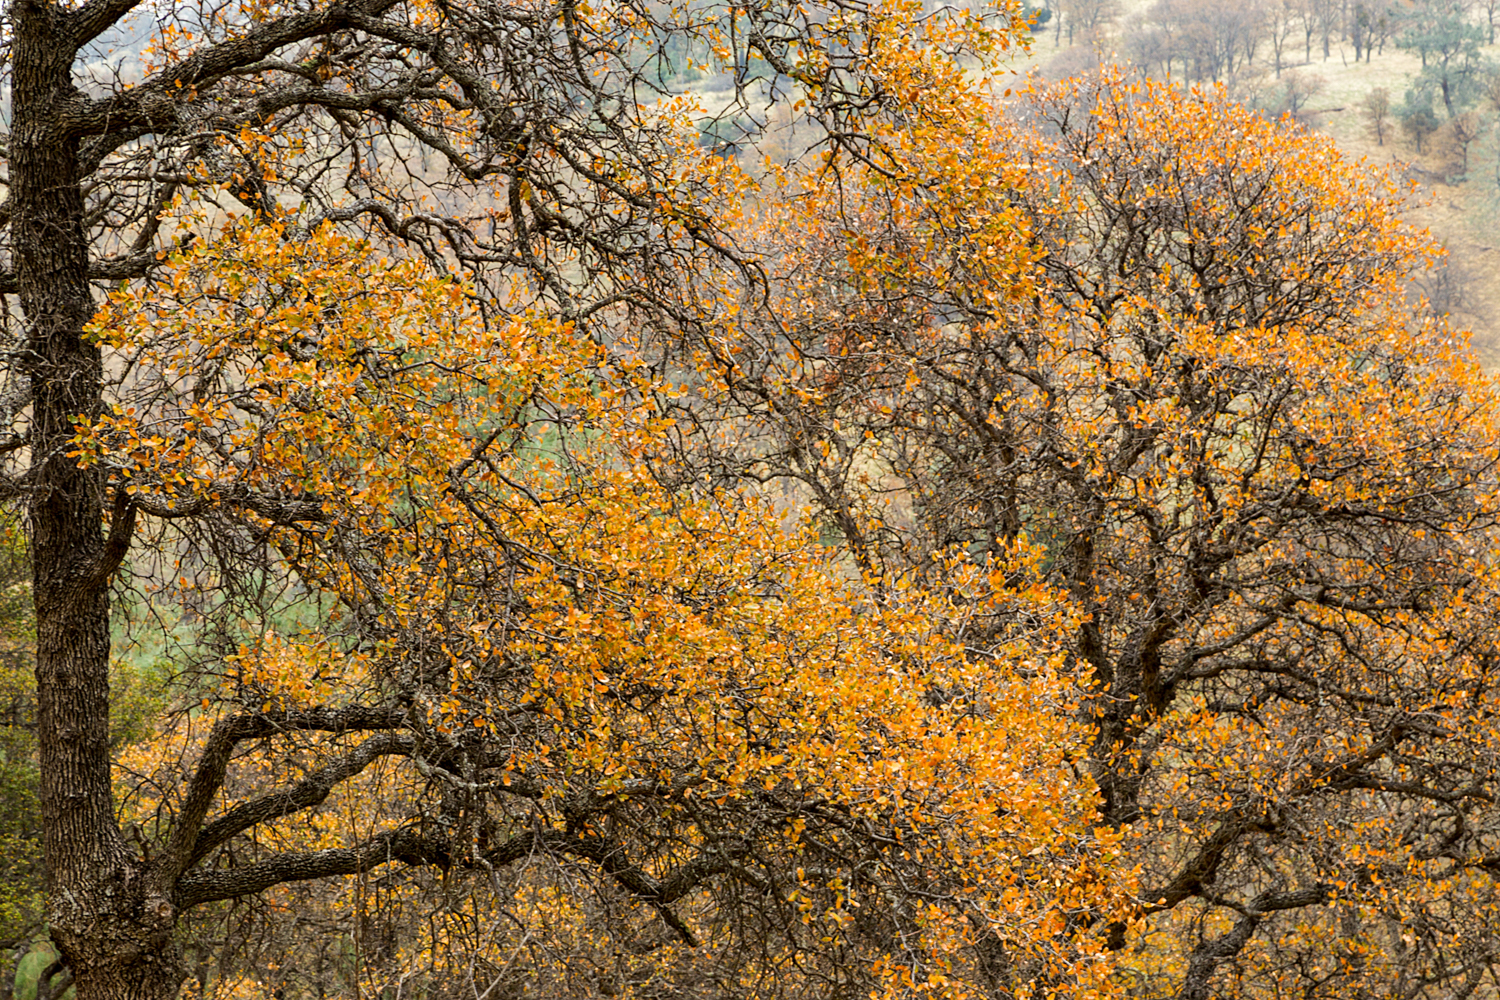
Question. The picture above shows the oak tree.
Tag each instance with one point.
(1171, 343)
(359, 406)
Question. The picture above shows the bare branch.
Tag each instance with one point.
(228, 733)
(405, 845)
(306, 793)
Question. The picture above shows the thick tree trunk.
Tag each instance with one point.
(116, 941)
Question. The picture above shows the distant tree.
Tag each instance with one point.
(1490, 8)
(1417, 119)
(1445, 288)
(1328, 15)
(1449, 43)
(1359, 31)
(1376, 106)
(1036, 17)
(1211, 37)
(1467, 127)
(1297, 88)
(1148, 44)
(1281, 20)
(1308, 14)
(1243, 25)
(1088, 16)
(1382, 28)
(1491, 103)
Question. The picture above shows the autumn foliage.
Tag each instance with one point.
(1170, 344)
(774, 772)
(1032, 545)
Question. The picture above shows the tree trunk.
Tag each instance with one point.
(116, 942)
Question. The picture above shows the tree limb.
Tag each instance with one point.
(96, 17)
(278, 510)
(308, 792)
(204, 786)
(405, 845)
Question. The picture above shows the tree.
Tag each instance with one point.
(1491, 101)
(1297, 88)
(1281, 18)
(1037, 17)
(1359, 32)
(1171, 343)
(1418, 120)
(408, 436)
(1466, 128)
(1150, 43)
(1309, 9)
(134, 702)
(1211, 37)
(1381, 28)
(1449, 46)
(1377, 108)
(1326, 15)
(1490, 8)
(1089, 16)
(603, 702)
(20, 833)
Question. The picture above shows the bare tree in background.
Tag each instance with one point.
(1376, 106)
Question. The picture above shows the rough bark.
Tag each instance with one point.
(115, 938)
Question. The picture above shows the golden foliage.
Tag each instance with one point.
(1169, 344)
(825, 775)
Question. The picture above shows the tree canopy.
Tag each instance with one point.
(1171, 344)
(1031, 544)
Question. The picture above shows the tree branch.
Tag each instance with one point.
(411, 848)
(1203, 866)
(308, 792)
(136, 265)
(405, 845)
(278, 510)
(117, 545)
(1207, 956)
(156, 102)
(96, 17)
(611, 858)
(212, 767)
